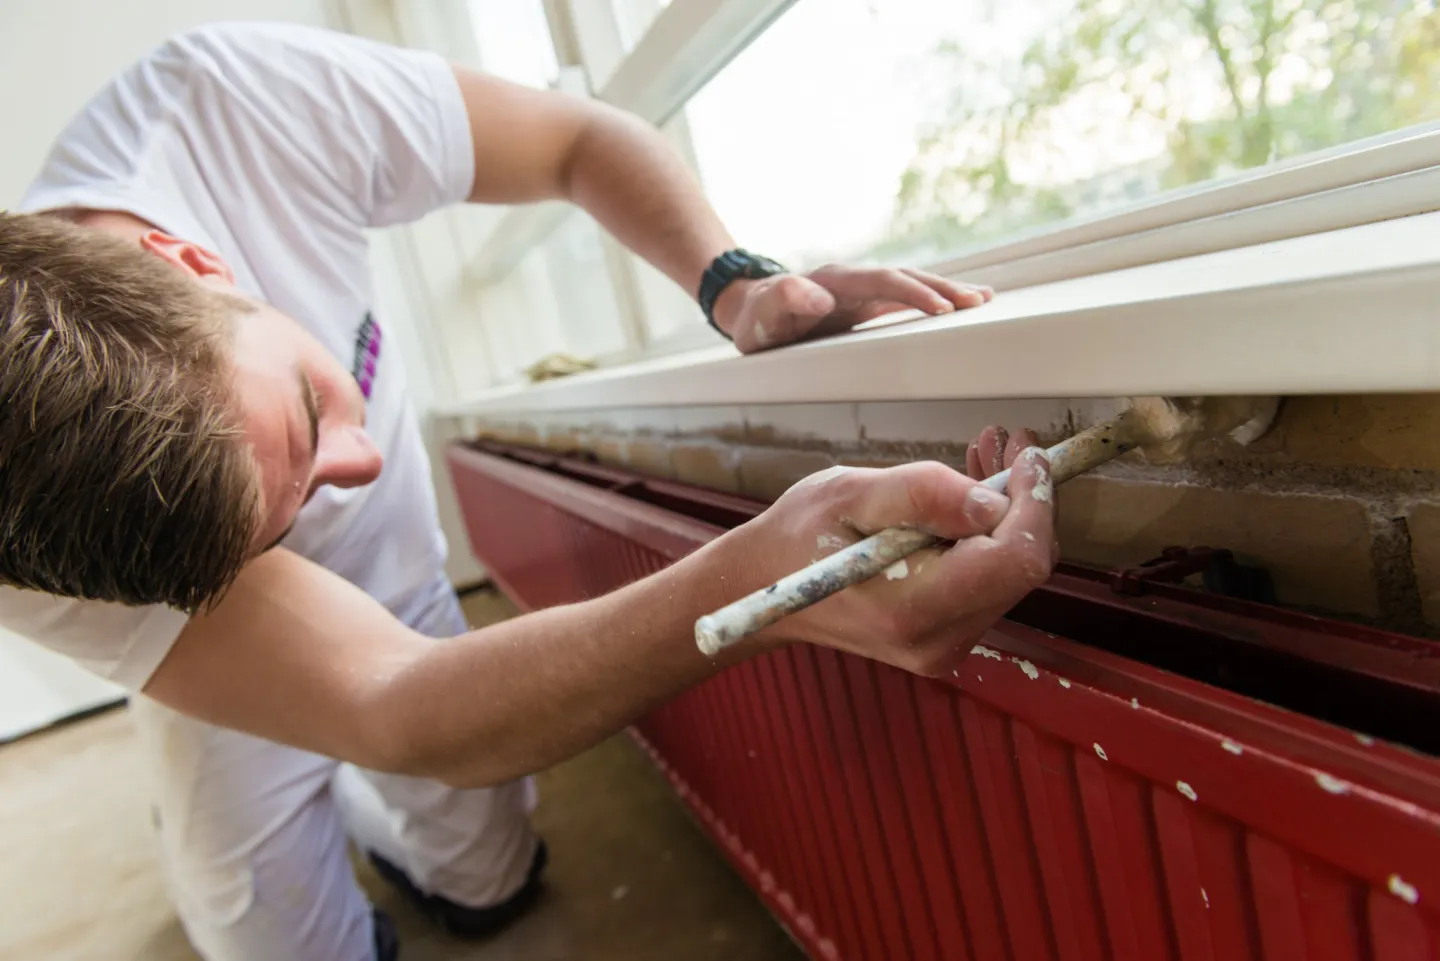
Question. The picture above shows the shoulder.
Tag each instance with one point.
(279, 52)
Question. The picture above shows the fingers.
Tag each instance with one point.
(962, 295)
(992, 573)
(1019, 442)
(927, 496)
(859, 285)
(991, 447)
(995, 449)
(1029, 527)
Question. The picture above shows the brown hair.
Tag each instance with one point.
(123, 475)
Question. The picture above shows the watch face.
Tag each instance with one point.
(757, 266)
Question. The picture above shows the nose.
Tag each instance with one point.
(347, 458)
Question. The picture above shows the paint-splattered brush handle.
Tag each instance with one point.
(867, 558)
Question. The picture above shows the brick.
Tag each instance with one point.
(1424, 521)
(1317, 549)
(565, 440)
(824, 423)
(957, 422)
(766, 473)
(1396, 431)
(609, 448)
(722, 423)
(508, 432)
(526, 433)
(650, 456)
(716, 466)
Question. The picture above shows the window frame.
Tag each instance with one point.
(1383, 178)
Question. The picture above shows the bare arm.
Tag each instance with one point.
(296, 654)
(535, 145)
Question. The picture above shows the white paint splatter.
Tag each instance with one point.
(1405, 892)
(619, 892)
(1028, 668)
(1331, 783)
(1256, 426)
(1232, 747)
(897, 571)
(1100, 752)
(1186, 790)
(1135, 703)
(1028, 536)
(1044, 489)
(984, 651)
(1205, 896)
(829, 542)
(1064, 683)
(979, 678)
(1365, 739)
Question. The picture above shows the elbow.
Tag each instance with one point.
(600, 143)
(389, 745)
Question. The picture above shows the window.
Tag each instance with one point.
(906, 130)
(514, 40)
(1028, 143)
(634, 17)
(559, 299)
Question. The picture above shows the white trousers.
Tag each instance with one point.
(253, 833)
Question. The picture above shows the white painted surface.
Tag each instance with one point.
(1350, 310)
(39, 687)
(55, 53)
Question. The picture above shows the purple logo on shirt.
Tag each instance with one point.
(367, 354)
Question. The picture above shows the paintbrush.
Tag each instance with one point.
(1163, 429)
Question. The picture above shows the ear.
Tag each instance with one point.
(183, 255)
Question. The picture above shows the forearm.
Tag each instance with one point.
(629, 178)
(519, 696)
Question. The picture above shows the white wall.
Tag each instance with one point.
(55, 53)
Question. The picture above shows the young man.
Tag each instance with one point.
(195, 406)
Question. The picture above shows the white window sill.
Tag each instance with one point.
(1347, 311)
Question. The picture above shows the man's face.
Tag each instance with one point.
(303, 415)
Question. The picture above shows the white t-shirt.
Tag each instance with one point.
(276, 146)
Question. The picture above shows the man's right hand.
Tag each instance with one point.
(923, 616)
(296, 654)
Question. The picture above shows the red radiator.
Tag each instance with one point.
(1174, 775)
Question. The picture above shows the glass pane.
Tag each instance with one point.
(905, 130)
(558, 300)
(584, 296)
(514, 40)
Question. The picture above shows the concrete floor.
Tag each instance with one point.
(630, 875)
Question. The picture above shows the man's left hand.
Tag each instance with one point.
(765, 313)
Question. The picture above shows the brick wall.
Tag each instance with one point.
(1340, 502)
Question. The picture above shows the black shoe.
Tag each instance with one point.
(387, 942)
(458, 920)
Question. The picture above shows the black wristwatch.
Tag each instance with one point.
(731, 265)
